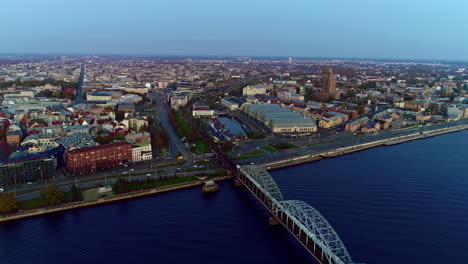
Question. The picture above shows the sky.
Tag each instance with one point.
(393, 29)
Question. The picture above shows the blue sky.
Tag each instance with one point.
(402, 29)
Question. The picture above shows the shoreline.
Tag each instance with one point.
(118, 197)
(290, 162)
(285, 163)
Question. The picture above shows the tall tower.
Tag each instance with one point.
(329, 84)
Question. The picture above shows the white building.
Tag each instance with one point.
(21, 94)
(129, 98)
(134, 123)
(289, 96)
(162, 84)
(203, 112)
(178, 100)
(253, 90)
(141, 152)
(98, 96)
(229, 104)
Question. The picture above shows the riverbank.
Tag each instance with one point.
(119, 197)
(289, 162)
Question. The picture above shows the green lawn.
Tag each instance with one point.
(255, 153)
(201, 147)
(31, 203)
(269, 148)
(282, 146)
(37, 202)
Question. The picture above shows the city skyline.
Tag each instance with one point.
(248, 131)
(386, 30)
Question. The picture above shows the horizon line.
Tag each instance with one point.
(189, 56)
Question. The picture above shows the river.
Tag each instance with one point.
(406, 203)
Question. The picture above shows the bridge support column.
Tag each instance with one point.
(272, 221)
(238, 183)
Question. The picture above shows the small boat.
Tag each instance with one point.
(210, 186)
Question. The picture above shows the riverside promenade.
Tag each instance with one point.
(118, 197)
(330, 153)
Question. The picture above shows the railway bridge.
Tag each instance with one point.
(303, 221)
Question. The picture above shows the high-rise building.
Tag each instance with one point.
(329, 84)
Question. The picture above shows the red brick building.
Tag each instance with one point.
(90, 159)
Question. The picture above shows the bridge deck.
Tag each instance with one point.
(303, 221)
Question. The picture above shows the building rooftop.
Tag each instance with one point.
(99, 147)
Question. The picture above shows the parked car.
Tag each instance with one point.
(1, 190)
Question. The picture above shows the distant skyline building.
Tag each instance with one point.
(329, 84)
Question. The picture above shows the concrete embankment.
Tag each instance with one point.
(289, 162)
(130, 195)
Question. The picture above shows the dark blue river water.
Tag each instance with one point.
(402, 204)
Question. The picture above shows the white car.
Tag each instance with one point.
(148, 174)
(1, 190)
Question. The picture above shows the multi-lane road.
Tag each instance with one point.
(329, 145)
(79, 90)
(176, 145)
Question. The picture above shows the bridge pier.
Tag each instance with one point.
(238, 183)
(273, 221)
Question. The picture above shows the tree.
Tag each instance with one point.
(56, 94)
(360, 109)
(75, 193)
(192, 136)
(8, 203)
(120, 136)
(2, 134)
(109, 107)
(46, 93)
(350, 93)
(255, 134)
(143, 128)
(120, 186)
(120, 115)
(179, 131)
(227, 146)
(52, 195)
(309, 94)
(102, 139)
(150, 121)
(68, 95)
(39, 121)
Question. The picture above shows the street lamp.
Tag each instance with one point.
(129, 174)
(42, 178)
(14, 188)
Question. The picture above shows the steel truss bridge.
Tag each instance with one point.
(303, 221)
